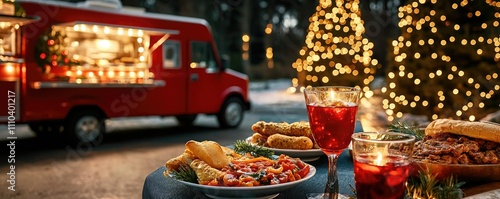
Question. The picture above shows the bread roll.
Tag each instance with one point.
(480, 130)
(210, 152)
(289, 142)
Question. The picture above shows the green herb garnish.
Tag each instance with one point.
(427, 186)
(185, 173)
(243, 147)
(405, 128)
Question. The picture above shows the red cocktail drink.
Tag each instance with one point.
(332, 114)
(332, 126)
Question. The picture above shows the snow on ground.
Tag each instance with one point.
(275, 92)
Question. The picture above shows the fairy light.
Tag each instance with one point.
(455, 89)
(335, 51)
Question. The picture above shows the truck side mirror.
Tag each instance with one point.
(225, 61)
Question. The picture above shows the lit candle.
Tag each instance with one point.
(382, 163)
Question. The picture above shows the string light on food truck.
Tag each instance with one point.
(89, 48)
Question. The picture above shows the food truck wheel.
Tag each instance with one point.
(85, 127)
(186, 120)
(231, 113)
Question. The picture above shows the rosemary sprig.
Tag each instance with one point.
(243, 147)
(402, 127)
(427, 186)
(185, 173)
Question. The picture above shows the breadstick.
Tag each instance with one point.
(280, 141)
(293, 129)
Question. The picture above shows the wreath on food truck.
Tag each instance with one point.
(50, 50)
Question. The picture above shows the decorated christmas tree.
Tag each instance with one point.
(446, 62)
(51, 51)
(335, 51)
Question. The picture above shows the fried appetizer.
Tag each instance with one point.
(259, 139)
(205, 172)
(185, 158)
(289, 142)
(301, 128)
(294, 129)
(210, 152)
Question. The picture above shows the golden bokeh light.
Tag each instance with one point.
(435, 35)
(335, 50)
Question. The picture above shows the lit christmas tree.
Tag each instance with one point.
(447, 60)
(335, 52)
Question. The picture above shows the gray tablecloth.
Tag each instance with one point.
(157, 186)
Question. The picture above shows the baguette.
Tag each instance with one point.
(480, 130)
(210, 152)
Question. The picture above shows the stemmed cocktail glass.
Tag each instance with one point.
(332, 117)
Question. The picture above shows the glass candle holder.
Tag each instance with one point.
(381, 164)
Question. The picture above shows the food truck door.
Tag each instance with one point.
(204, 87)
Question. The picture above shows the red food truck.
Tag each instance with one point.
(65, 68)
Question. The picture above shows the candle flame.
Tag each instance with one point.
(380, 159)
(332, 95)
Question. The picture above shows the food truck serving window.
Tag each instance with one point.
(9, 35)
(103, 53)
(104, 46)
(7, 39)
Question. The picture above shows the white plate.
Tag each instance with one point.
(264, 191)
(307, 155)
